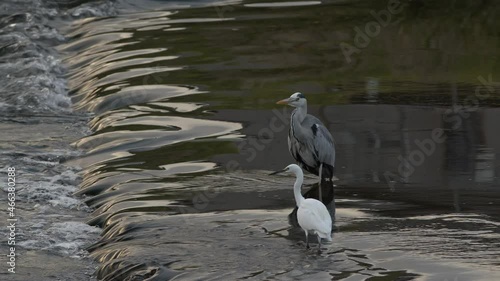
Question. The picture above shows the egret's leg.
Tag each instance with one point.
(307, 240)
(320, 172)
(319, 245)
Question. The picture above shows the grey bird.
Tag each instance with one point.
(311, 144)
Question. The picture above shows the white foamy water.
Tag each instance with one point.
(50, 217)
(67, 238)
(37, 125)
(33, 79)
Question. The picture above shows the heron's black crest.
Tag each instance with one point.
(300, 95)
(314, 129)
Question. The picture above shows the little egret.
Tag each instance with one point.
(312, 214)
(309, 142)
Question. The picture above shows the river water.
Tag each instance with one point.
(144, 132)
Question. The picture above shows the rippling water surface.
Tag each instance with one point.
(185, 130)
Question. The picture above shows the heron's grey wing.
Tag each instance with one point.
(302, 153)
(321, 141)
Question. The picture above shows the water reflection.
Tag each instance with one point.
(176, 166)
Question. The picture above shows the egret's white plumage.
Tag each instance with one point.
(312, 214)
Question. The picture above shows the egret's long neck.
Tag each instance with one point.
(297, 187)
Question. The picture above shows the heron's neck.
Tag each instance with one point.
(300, 113)
(297, 187)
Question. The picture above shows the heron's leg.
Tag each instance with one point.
(319, 186)
(307, 240)
(319, 245)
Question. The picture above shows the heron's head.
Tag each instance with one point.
(292, 168)
(295, 100)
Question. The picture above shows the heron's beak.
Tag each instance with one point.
(284, 101)
(278, 172)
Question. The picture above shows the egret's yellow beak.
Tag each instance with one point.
(284, 101)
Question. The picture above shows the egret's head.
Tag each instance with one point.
(292, 168)
(295, 100)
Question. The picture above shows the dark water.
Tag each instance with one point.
(185, 130)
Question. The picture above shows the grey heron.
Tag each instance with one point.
(312, 214)
(310, 143)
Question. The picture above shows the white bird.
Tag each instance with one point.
(310, 143)
(312, 214)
